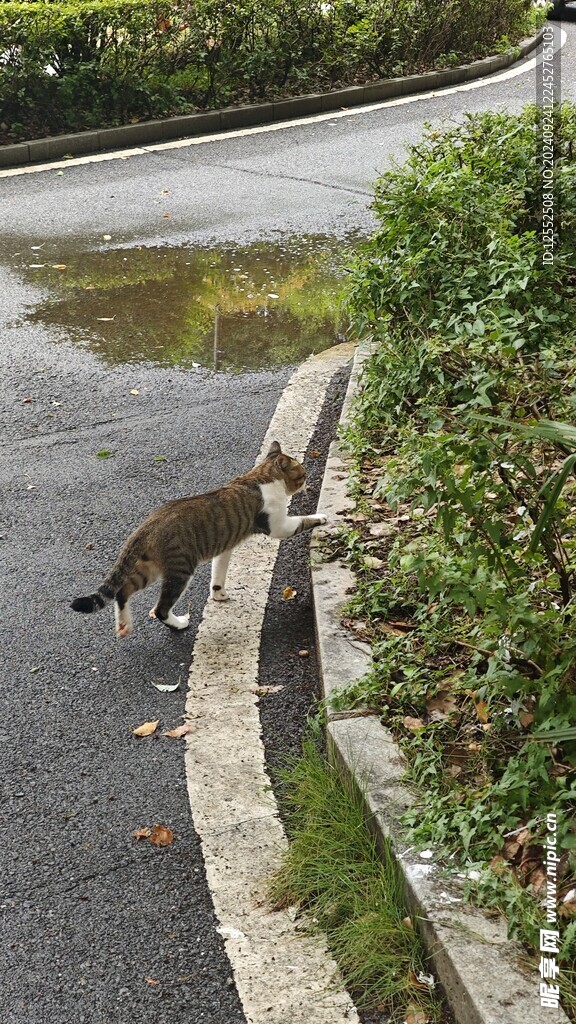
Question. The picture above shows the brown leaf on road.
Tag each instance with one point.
(161, 835)
(142, 833)
(288, 594)
(263, 690)
(152, 981)
(58, 266)
(147, 728)
(180, 730)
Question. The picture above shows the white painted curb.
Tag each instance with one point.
(282, 975)
(479, 970)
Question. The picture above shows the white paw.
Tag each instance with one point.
(219, 595)
(322, 520)
(178, 621)
(123, 629)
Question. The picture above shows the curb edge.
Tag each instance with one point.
(478, 968)
(144, 133)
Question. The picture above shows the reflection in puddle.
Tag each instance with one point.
(239, 308)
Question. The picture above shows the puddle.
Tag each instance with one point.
(238, 308)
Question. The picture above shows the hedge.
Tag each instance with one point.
(79, 64)
(467, 582)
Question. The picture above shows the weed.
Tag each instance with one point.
(334, 871)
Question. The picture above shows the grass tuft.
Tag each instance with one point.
(334, 871)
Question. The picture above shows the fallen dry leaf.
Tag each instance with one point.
(263, 690)
(146, 729)
(142, 833)
(134, 391)
(511, 847)
(419, 981)
(90, 547)
(385, 627)
(58, 266)
(412, 723)
(526, 718)
(380, 529)
(26, 401)
(415, 1016)
(180, 730)
(371, 562)
(482, 711)
(303, 654)
(538, 881)
(152, 981)
(441, 707)
(568, 909)
(314, 454)
(161, 835)
(288, 594)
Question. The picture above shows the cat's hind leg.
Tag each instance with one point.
(172, 587)
(219, 569)
(143, 573)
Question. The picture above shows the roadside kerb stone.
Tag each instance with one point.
(484, 976)
(205, 123)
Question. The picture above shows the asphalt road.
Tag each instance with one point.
(96, 926)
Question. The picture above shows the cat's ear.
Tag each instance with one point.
(283, 462)
(275, 450)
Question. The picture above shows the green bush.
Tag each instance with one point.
(475, 356)
(115, 60)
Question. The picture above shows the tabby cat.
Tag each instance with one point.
(172, 541)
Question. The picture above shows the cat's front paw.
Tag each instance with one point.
(219, 595)
(178, 621)
(321, 520)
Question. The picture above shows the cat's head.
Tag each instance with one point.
(286, 468)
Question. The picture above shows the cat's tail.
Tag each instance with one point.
(114, 581)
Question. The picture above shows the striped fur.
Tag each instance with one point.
(174, 539)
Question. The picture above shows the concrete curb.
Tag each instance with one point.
(480, 971)
(228, 118)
